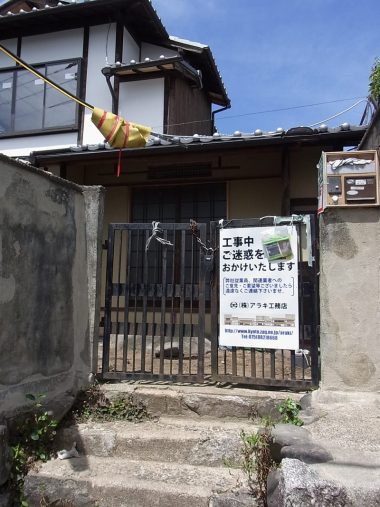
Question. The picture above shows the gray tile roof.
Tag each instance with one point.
(169, 140)
(345, 134)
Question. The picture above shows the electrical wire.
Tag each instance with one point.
(108, 34)
(290, 108)
(340, 113)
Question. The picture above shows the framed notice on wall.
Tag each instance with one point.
(259, 287)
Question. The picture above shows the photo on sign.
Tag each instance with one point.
(262, 320)
(276, 244)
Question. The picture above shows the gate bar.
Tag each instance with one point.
(108, 301)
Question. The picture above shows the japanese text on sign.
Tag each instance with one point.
(258, 298)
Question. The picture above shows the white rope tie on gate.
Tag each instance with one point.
(156, 235)
(305, 354)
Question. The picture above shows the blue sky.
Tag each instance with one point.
(275, 54)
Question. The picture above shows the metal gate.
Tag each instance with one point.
(154, 314)
(161, 311)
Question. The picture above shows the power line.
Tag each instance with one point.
(262, 112)
(290, 108)
(340, 113)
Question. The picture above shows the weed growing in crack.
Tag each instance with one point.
(289, 410)
(257, 461)
(93, 405)
(31, 441)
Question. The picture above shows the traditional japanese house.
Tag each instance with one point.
(117, 55)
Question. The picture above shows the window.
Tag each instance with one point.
(28, 104)
(202, 203)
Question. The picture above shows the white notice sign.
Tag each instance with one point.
(258, 297)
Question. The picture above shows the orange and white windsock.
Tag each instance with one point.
(118, 132)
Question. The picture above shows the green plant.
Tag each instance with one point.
(93, 405)
(374, 80)
(20, 466)
(257, 461)
(31, 441)
(290, 409)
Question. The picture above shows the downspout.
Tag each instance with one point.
(107, 74)
(214, 113)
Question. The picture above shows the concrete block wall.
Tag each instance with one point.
(49, 259)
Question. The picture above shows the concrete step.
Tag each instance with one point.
(118, 482)
(202, 401)
(207, 443)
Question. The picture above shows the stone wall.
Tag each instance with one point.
(350, 292)
(49, 261)
(350, 299)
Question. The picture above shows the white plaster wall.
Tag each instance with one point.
(131, 50)
(154, 52)
(10, 44)
(52, 46)
(143, 102)
(97, 92)
(22, 146)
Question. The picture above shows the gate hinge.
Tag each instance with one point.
(105, 245)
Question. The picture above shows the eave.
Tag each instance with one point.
(321, 139)
(151, 67)
(138, 16)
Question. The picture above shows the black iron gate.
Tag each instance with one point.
(162, 308)
(154, 314)
(275, 367)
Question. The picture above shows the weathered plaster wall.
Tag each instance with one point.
(350, 299)
(254, 198)
(94, 212)
(49, 233)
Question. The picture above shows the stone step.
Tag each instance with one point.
(117, 482)
(202, 401)
(345, 483)
(357, 472)
(208, 443)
